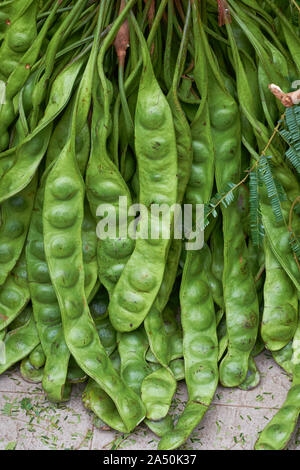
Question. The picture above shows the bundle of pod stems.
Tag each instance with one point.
(161, 102)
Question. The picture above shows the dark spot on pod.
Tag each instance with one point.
(88, 251)
(119, 247)
(131, 301)
(201, 347)
(225, 116)
(92, 363)
(74, 308)
(67, 277)
(233, 370)
(202, 373)
(62, 246)
(152, 117)
(157, 148)
(81, 337)
(142, 279)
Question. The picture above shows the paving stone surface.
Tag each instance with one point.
(29, 421)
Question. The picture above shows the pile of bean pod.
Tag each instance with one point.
(161, 102)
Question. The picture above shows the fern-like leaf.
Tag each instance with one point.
(291, 134)
(265, 173)
(254, 214)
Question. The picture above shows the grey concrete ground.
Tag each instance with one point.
(29, 421)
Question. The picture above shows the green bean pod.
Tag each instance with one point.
(253, 376)
(62, 220)
(14, 293)
(89, 247)
(200, 348)
(75, 374)
(16, 215)
(30, 373)
(46, 308)
(22, 69)
(97, 400)
(18, 38)
(240, 298)
(280, 242)
(157, 391)
(177, 368)
(283, 357)
(132, 348)
(158, 339)
(156, 153)
(161, 427)
(280, 314)
(19, 343)
(278, 431)
(105, 185)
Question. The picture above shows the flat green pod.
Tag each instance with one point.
(75, 373)
(95, 399)
(280, 314)
(278, 432)
(253, 376)
(19, 164)
(283, 357)
(15, 220)
(19, 343)
(200, 348)
(157, 391)
(242, 309)
(132, 348)
(19, 36)
(30, 373)
(177, 368)
(190, 418)
(37, 357)
(155, 145)
(161, 427)
(14, 293)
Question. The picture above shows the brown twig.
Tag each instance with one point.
(224, 12)
(121, 42)
(287, 99)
